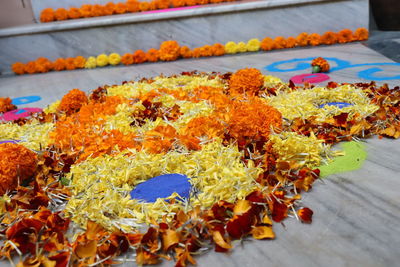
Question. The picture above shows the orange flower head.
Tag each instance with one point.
(345, 36)
(162, 4)
(30, 67)
(59, 64)
(152, 55)
(6, 104)
(185, 52)
(99, 10)
(196, 52)
(61, 14)
(314, 39)
(74, 13)
(206, 51)
(169, 50)
(73, 101)
(291, 42)
(127, 59)
(267, 44)
(218, 49)
(43, 65)
(361, 34)
(144, 6)
(246, 81)
(329, 38)
(110, 8)
(139, 57)
(23, 165)
(79, 62)
(279, 42)
(302, 39)
(178, 3)
(70, 63)
(47, 15)
(18, 68)
(132, 6)
(321, 63)
(121, 8)
(86, 11)
(253, 120)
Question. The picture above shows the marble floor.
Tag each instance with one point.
(356, 214)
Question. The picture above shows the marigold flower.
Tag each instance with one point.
(302, 39)
(59, 64)
(6, 104)
(120, 8)
(139, 57)
(86, 11)
(102, 60)
(152, 55)
(196, 52)
(246, 81)
(345, 36)
(162, 4)
(314, 39)
(132, 6)
(114, 59)
(79, 62)
(144, 6)
(99, 10)
(61, 14)
(90, 63)
(361, 34)
(253, 120)
(110, 8)
(169, 50)
(329, 38)
(74, 13)
(178, 3)
(231, 48)
(185, 52)
(73, 101)
(291, 42)
(241, 47)
(321, 63)
(253, 45)
(127, 59)
(23, 165)
(191, 2)
(18, 68)
(30, 67)
(206, 51)
(47, 15)
(279, 42)
(267, 44)
(70, 63)
(43, 65)
(218, 49)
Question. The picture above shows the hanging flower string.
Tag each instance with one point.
(171, 50)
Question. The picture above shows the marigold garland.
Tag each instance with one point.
(130, 6)
(171, 50)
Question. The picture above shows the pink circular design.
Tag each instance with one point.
(19, 113)
(310, 78)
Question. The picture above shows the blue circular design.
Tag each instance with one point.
(337, 104)
(161, 187)
(25, 100)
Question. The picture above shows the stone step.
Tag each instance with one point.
(193, 27)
